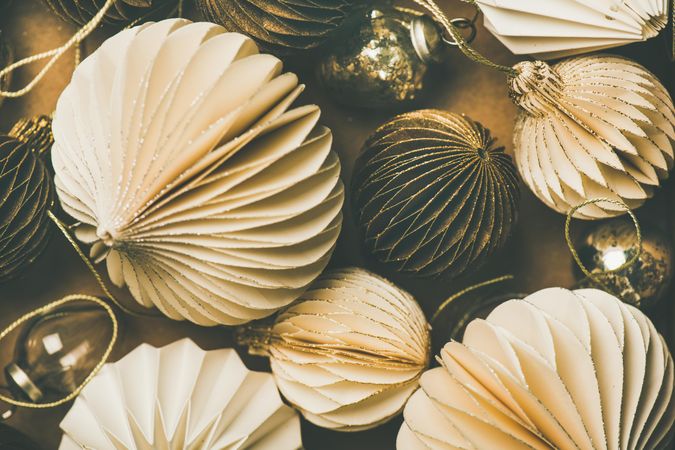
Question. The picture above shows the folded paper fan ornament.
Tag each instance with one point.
(349, 352)
(280, 26)
(180, 397)
(433, 194)
(26, 194)
(558, 28)
(177, 149)
(591, 127)
(122, 12)
(557, 370)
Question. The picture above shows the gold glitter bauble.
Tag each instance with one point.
(122, 12)
(609, 245)
(279, 26)
(433, 194)
(373, 62)
(26, 194)
(591, 127)
(349, 352)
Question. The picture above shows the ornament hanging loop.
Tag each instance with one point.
(596, 278)
(54, 55)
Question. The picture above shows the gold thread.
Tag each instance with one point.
(95, 370)
(594, 277)
(464, 291)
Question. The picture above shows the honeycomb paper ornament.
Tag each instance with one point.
(558, 28)
(26, 195)
(180, 397)
(122, 12)
(348, 353)
(279, 26)
(592, 127)
(433, 194)
(557, 370)
(177, 149)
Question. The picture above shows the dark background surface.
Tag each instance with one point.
(536, 255)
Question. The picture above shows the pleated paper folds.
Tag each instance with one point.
(204, 191)
(590, 127)
(180, 397)
(558, 370)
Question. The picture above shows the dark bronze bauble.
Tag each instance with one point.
(432, 194)
(610, 244)
(26, 194)
(122, 12)
(380, 57)
(279, 26)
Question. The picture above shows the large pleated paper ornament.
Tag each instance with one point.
(557, 370)
(205, 192)
(433, 194)
(180, 397)
(557, 28)
(590, 127)
(349, 353)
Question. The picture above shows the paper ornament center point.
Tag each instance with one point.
(535, 87)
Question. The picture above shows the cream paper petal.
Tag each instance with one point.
(589, 127)
(557, 370)
(558, 28)
(180, 396)
(178, 150)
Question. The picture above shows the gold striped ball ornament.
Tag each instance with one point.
(432, 194)
(26, 194)
(349, 352)
(279, 26)
(122, 12)
(591, 127)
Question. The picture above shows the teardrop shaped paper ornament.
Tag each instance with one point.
(122, 12)
(349, 352)
(558, 28)
(557, 370)
(204, 191)
(592, 127)
(279, 26)
(26, 195)
(180, 397)
(433, 194)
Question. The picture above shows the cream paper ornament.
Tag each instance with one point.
(557, 370)
(349, 352)
(590, 127)
(180, 397)
(177, 150)
(558, 28)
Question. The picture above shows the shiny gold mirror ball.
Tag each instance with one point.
(432, 194)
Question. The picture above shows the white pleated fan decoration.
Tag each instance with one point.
(558, 28)
(207, 195)
(349, 352)
(568, 370)
(590, 127)
(180, 397)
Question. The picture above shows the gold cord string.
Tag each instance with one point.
(92, 269)
(54, 54)
(594, 276)
(464, 291)
(468, 51)
(97, 368)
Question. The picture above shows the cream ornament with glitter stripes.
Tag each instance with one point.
(568, 370)
(350, 352)
(163, 398)
(206, 193)
(592, 126)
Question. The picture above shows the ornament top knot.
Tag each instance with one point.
(535, 86)
(35, 132)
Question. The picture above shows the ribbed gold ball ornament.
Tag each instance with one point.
(122, 12)
(432, 194)
(278, 26)
(26, 194)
